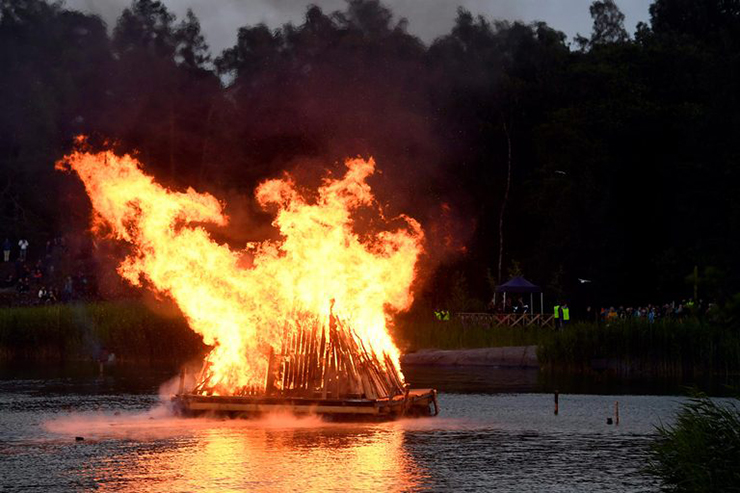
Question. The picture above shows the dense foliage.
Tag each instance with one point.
(676, 348)
(701, 451)
(613, 159)
(82, 332)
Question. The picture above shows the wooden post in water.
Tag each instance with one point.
(616, 413)
(557, 395)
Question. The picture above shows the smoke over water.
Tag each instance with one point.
(158, 423)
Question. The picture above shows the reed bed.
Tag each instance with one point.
(701, 451)
(78, 332)
(665, 348)
(670, 348)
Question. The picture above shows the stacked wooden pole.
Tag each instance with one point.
(316, 361)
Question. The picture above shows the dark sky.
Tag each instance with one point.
(428, 19)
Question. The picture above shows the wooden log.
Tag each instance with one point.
(322, 361)
(293, 360)
(300, 360)
(306, 355)
(312, 357)
(307, 359)
(373, 366)
(270, 380)
(393, 373)
(289, 364)
(353, 360)
(296, 360)
(368, 389)
(349, 372)
(326, 369)
(335, 370)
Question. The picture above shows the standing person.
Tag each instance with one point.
(566, 314)
(556, 315)
(68, 289)
(6, 249)
(23, 244)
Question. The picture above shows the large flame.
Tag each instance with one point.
(244, 312)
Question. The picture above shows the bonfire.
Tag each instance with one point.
(303, 318)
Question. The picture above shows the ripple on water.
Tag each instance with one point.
(504, 442)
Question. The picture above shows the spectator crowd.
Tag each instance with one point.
(673, 310)
(47, 276)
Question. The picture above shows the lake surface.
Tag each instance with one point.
(496, 432)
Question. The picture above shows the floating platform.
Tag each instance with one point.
(414, 403)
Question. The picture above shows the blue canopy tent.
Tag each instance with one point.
(520, 285)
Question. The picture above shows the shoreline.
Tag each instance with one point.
(501, 357)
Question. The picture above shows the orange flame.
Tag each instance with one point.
(241, 311)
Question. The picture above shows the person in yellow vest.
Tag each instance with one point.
(689, 305)
(566, 314)
(556, 315)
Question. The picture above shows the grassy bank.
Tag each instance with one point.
(413, 335)
(136, 333)
(667, 348)
(82, 331)
(701, 451)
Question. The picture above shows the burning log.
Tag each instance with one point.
(311, 364)
(319, 369)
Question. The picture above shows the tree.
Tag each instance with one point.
(369, 16)
(52, 86)
(714, 22)
(164, 89)
(191, 48)
(608, 26)
(256, 47)
(621, 158)
(146, 24)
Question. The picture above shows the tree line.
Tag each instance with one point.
(611, 158)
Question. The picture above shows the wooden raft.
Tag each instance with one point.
(319, 370)
(413, 403)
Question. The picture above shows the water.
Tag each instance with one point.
(494, 434)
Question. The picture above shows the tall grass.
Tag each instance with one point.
(81, 331)
(666, 348)
(701, 451)
(418, 334)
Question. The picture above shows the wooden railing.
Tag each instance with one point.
(508, 319)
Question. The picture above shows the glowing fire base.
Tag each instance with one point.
(414, 403)
(318, 371)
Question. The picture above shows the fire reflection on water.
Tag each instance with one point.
(279, 453)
